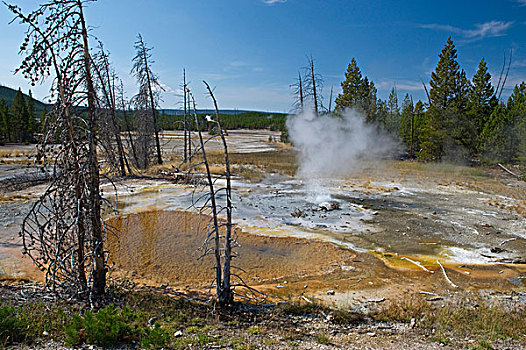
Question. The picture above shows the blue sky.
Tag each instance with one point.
(251, 50)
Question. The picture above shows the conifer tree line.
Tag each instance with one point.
(18, 123)
(462, 120)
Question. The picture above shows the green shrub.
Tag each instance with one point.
(12, 327)
(155, 338)
(106, 327)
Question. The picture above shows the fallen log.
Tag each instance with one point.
(445, 275)
(509, 171)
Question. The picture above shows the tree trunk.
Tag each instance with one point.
(154, 114)
(314, 94)
(99, 274)
(185, 155)
(213, 205)
(226, 297)
(301, 91)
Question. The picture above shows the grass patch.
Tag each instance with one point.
(461, 319)
(254, 330)
(322, 339)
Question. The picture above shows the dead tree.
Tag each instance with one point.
(144, 130)
(185, 126)
(63, 232)
(214, 202)
(125, 110)
(225, 293)
(308, 88)
(330, 100)
(110, 129)
(299, 99)
(148, 82)
(498, 92)
(314, 85)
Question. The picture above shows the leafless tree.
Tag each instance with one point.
(307, 88)
(148, 97)
(124, 105)
(215, 204)
(297, 91)
(185, 125)
(105, 82)
(63, 232)
(330, 100)
(313, 86)
(500, 87)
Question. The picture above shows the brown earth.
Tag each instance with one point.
(162, 248)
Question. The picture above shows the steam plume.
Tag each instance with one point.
(330, 146)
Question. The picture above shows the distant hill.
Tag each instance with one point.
(8, 94)
(212, 111)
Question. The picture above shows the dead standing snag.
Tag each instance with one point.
(215, 201)
(148, 82)
(63, 231)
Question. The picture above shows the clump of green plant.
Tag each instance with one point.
(322, 339)
(12, 327)
(106, 327)
(254, 330)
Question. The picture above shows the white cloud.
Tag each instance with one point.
(521, 2)
(272, 2)
(167, 89)
(403, 85)
(239, 64)
(481, 31)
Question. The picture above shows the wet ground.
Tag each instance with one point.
(377, 233)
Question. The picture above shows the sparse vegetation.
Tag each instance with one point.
(466, 318)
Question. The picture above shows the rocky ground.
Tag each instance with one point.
(356, 243)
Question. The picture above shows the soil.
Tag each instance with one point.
(394, 223)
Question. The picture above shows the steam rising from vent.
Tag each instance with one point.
(330, 146)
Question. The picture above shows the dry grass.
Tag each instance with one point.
(444, 169)
(14, 198)
(16, 156)
(465, 318)
(250, 166)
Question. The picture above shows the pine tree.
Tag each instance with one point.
(4, 122)
(368, 101)
(503, 137)
(351, 88)
(420, 122)
(32, 124)
(357, 92)
(447, 126)
(393, 116)
(406, 119)
(20, 118)
(481, 102)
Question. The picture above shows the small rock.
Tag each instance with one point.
(178, 334)
(45, 334)
(331, 292)
(151, 321)
(348, 268)
(280, 286)
(371, 334)
(412, 323)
